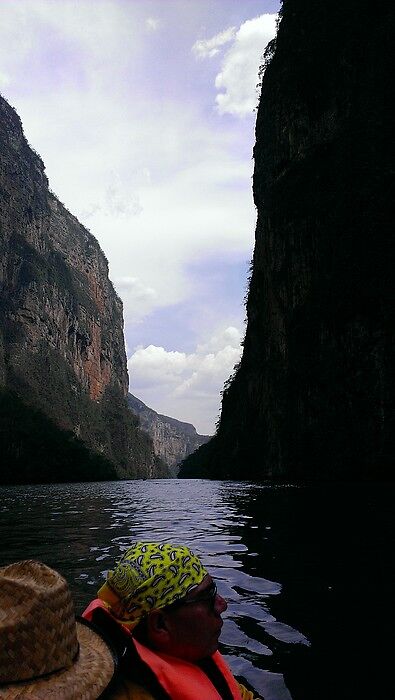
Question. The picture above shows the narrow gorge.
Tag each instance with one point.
(173, 440)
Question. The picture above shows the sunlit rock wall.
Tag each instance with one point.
(61, 324)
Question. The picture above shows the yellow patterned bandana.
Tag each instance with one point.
(150, 576)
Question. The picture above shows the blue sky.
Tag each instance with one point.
(143, 112)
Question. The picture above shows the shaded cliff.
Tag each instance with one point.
(173, 440)
(314, 394)
(61, 325)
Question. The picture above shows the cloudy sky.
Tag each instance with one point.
(143, 112)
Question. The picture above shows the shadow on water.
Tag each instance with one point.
(332, 548)
(305, 570)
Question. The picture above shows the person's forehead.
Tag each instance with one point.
(201, 588)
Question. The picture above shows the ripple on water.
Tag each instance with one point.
(270, 685)
(81, 529)
(284, 633)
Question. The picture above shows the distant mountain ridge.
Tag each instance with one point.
(173, 440)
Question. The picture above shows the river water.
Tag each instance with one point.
(306, 570)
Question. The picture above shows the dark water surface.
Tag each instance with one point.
(307, 571)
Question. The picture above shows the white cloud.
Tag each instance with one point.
(230, 337)
(152, 222)
(152, 24)
(136, 287)
(138, 298)
(239, 72)
(238, 77)
(210, 374)
(120, 204)
(28, 28)
(157, 364)
(191, 381)
(117, 202)
(4, 79)
(207, 48)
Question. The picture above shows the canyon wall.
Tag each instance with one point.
(314, 394)
(173, 440)
(61, 325)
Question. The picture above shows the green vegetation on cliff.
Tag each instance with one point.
(35, 450)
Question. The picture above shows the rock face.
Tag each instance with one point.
(314, 394)
(173, 440)
(61, 325)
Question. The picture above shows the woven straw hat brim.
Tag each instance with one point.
(86, 679)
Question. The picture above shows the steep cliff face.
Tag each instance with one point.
(61, 326)
(173, 440)
(314, 394)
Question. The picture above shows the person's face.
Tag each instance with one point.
(195, 626)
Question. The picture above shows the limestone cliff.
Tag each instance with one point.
(173, 440)
(61, 325)
(314, 394)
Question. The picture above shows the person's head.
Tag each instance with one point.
(44, 652)
(165, 596)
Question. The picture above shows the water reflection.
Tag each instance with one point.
(80, 529)
(293, 563)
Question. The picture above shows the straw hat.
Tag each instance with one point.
(44, 652)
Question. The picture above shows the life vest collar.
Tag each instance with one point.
(181, 679)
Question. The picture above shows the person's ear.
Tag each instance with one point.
(157, 627)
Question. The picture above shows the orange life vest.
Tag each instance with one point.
(181, 679)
